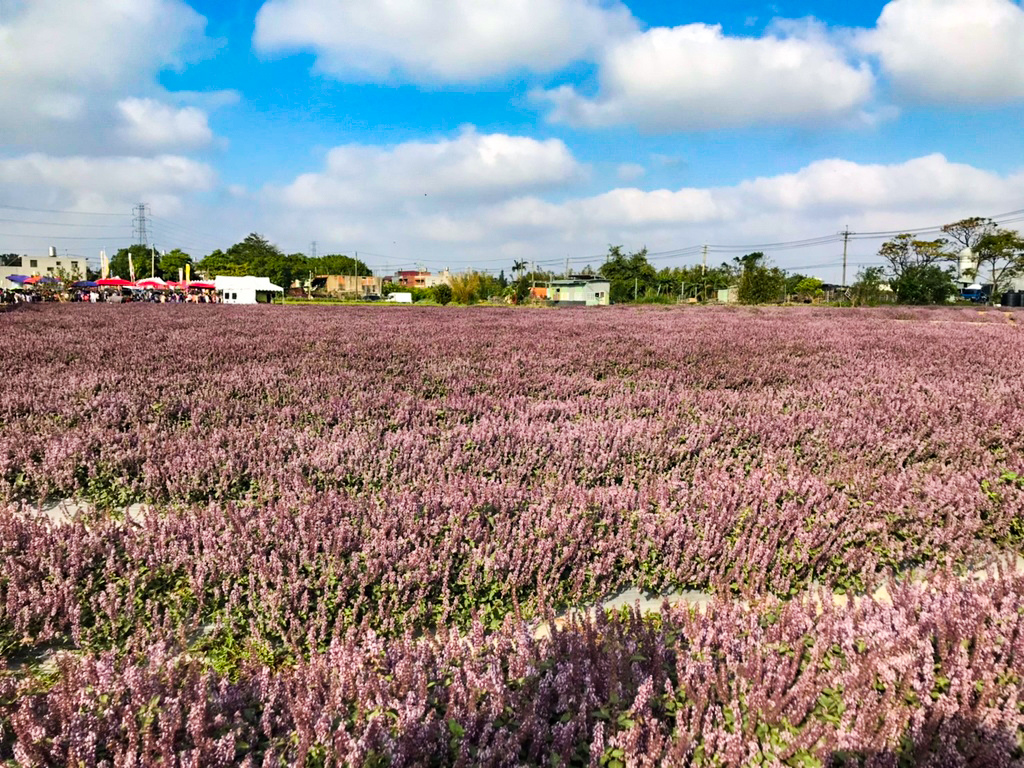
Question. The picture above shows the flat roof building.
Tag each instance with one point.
(580, 291)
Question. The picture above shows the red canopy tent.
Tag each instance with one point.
(115, 282)
(203, 286)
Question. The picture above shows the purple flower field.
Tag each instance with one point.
(355, 518)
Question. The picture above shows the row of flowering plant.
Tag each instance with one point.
(377, 494)
(934, 678)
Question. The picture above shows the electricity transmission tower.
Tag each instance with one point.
(139, 222)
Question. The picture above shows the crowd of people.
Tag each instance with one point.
(107, 296)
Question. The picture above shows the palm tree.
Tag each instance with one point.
(518, 267)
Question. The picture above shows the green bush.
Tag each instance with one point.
(442, 293)
(924, 284)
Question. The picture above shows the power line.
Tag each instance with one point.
(783, 246)
(173, 225)
(56, 237)
(48, 210)
(60, 224)
(1002, 218)
(846, 244)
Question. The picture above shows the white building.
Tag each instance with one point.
(969, 277)
(582, 290)
(246, 290)
(43, 266)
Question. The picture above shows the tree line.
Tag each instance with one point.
(923, 271)
(255, 255)
(915, 271)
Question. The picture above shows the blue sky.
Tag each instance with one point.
(467, 134)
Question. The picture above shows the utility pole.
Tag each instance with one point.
(566, 267)
(312, 257)
(139, 221)
(846, 241)
(152, 261)
(704, 262)
(636, 287)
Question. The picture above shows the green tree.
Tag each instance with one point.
(142, 260)
(867, 289)
(809, 288)
(999, 255)
(630, 275)
(905, 251)
(256, 256)
(466, 288)
(171, 262)
(68, 276)
(442, 293)
(490, 287)
(967, 233)
(220, 263)
(924, 284)
(338, 264)
(760, 283)
(521, 289)
(792, 281)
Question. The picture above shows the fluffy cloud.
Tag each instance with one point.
(472, 166)
(695, 77)
(924, 183)
(448, 40)
(818, 199)
(65, 65)
(111, 184)
(828, 191)
(153, 125)
(951, 51)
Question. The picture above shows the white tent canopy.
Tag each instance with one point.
(246, 290)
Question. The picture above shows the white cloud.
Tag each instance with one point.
(472, 166)
(65, 65)
(150, 124)
(951, 51)
(818, 199)
(694, 77)
(104, 183)
(923, 183)
(832, 190)
(446, 40)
